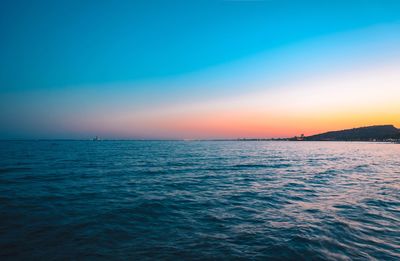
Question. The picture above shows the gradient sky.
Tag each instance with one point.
(197, 69)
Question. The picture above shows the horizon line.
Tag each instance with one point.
(182, 139)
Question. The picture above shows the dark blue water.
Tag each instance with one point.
(199, 200)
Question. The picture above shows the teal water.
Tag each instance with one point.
(199, 200)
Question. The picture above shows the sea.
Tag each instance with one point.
(199, 200)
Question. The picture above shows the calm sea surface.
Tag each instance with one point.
(199, 200)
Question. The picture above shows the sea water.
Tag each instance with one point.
(202, 200)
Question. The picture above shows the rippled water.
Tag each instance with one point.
(199, 200)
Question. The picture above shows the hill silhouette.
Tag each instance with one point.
(376, 133)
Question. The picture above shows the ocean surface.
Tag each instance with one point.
(205, 200)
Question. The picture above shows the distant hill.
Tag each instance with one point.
(378, 133)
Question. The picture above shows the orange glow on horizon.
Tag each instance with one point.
(349, 99)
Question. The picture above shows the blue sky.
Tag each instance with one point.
(48, 44)
(145, 47)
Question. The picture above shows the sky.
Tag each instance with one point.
(197, 69)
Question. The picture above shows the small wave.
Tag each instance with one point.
(13, 169)
(273, 166)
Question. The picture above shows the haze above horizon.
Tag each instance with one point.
(197, 69)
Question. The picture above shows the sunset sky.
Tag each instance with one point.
(197, 69)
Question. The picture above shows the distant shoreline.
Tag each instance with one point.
(192, 140)
(376, 133)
